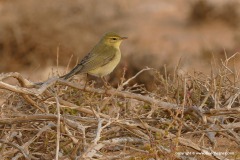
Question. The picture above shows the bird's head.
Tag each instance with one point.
(112, 39)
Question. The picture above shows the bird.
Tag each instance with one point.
(102, 59)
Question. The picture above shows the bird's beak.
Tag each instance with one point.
(122, 38)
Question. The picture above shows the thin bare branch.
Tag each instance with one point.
(21, 149)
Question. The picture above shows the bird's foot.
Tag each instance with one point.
(106, 84)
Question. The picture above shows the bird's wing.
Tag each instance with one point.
(94, 60)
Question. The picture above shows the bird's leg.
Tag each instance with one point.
(86, 81)
(105, 83)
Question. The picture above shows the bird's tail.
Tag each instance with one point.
(74, 71)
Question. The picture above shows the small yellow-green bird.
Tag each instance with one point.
(102, 59)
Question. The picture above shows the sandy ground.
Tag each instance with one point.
(160, 33)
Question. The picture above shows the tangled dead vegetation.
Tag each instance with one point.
(185, 116)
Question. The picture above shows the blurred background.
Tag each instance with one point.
(34, 32)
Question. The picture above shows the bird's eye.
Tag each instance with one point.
(114, 39)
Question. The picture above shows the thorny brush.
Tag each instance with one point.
(185, 113)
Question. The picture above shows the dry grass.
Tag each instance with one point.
(185, 114)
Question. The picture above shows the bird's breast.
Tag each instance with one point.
(107, 68)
